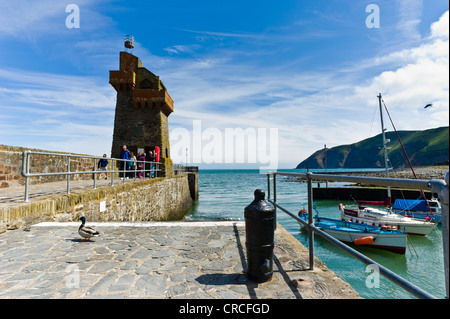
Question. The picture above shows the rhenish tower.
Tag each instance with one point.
(142, 110)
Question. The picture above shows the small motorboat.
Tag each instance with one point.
(377, 217)
(385, 238)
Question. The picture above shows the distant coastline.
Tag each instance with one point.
(422, 172)
(425, 148)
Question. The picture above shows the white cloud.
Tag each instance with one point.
(314, 108)
(309, 108)
(24, 16)
(55, 90)
(410, 12)
(27, 19)
(422, 78)
(56, 112)
(440, 29)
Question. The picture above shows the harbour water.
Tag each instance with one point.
(223, 195)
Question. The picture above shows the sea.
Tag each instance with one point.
(223, 195)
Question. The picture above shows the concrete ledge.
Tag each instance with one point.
(144, 224)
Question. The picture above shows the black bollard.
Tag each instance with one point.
(260, 222)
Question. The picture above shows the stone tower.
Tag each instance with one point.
(143, 106)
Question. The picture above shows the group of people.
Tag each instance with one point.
(130, 164)
(133, 164)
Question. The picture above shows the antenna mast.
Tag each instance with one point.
(384, 144)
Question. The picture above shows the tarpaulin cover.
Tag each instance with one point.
(411, 204)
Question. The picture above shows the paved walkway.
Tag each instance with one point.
(14, 195)
(154, 260)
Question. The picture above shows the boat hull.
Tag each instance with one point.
(352, 233)
(394, 242)
(419, 215)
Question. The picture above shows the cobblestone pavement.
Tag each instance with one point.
(153, 260)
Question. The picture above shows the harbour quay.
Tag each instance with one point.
(163, 260)
(142, 250)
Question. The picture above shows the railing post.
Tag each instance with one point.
(125, 164)
(68, 175)
(95, 175)
(144, 170)
(26, 170)
(112, 171)
(441, 188)
(268, 186)
(310, 222)
(275, 188)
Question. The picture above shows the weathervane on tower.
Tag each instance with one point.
(129, 43)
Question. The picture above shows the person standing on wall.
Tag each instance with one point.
(124, 155)
(131, 166)
(141, 164)
(102, 163)
(152, 158)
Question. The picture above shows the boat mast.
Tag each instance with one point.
(407, 158)
(384, 144)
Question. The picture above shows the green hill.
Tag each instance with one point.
(426, 147)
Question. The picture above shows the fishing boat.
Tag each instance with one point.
(377, 217)
(362, 235)
(418, 208)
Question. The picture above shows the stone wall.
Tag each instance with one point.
(158, 199)
(11, 166)
(193, 185)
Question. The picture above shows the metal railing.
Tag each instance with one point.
(437, 186)
(151, 167)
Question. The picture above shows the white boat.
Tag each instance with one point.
(362, 235)
(377, 217)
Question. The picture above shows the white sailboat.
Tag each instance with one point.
(378, 217)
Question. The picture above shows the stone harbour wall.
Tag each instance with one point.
(11, 166)
(158, 199)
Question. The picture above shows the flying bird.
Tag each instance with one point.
(428, 105)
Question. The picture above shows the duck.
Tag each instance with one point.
(85, 231)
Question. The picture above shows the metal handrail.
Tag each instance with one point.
(27, 175)
(438, 186)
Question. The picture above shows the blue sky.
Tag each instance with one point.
(311, 69)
